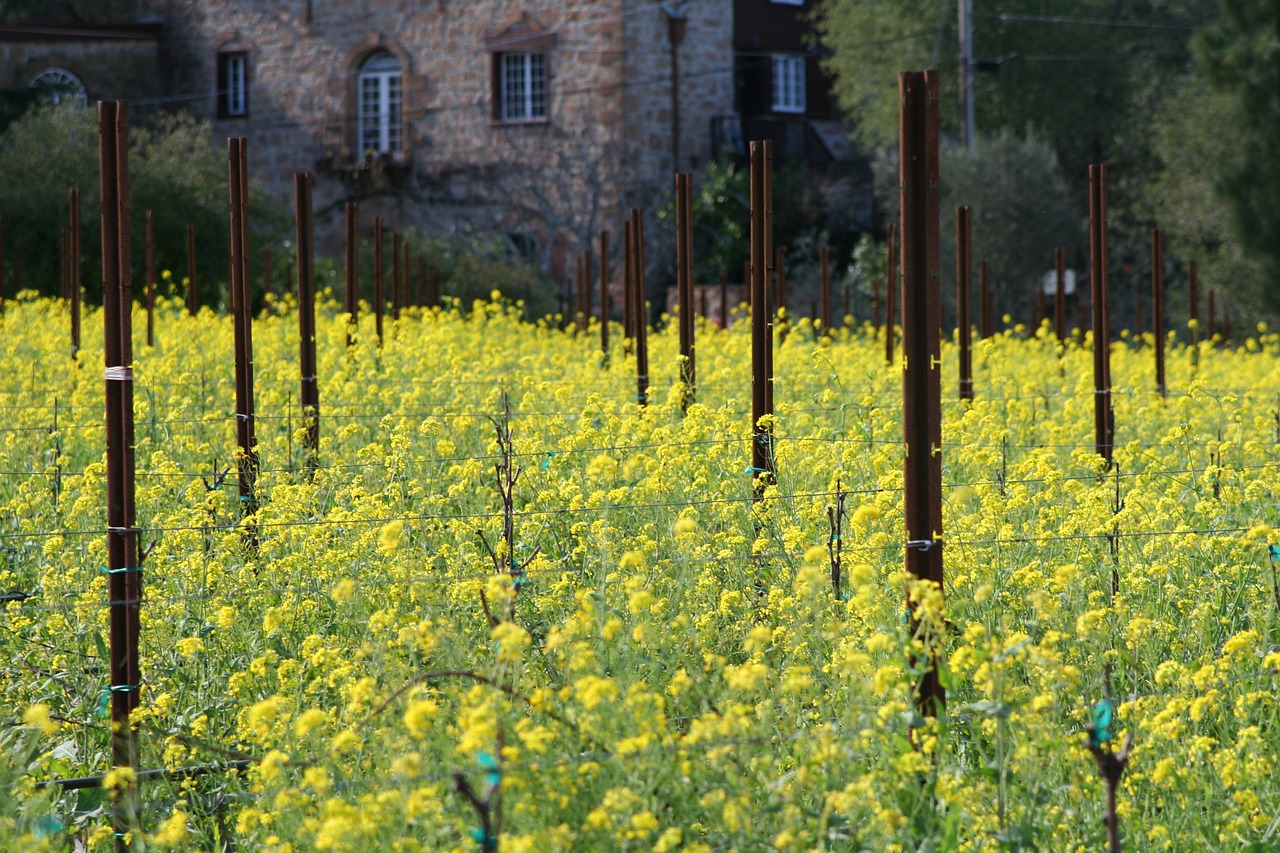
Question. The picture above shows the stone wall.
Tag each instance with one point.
(112, 64)
(606, 139)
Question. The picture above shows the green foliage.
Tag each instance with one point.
(469, 266)
(1021, 206)
(174, 171)
(721, 211)
(1238, 55)
(1081, 78)
(1184, 195)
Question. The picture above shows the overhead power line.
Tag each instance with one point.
(1088, 22)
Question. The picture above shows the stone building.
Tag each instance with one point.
(86, 63)
(543, 121)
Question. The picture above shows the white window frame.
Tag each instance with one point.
(235, 102)
(522, 87)
(788, 83)
(380, 105)
(55, 76)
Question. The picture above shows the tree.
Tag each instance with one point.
(1022, 210)
(1183, 192)
(1238, 56)
(175, 171)
(1083, 79)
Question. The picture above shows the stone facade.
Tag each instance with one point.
(112, 62)
(605, 142)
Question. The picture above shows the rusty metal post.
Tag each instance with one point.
(762, 458)
(604, 293)
(964, 271)
(242, 312)
(1157, 305)
(352, 220)
(639, 314)
(193, 304)
(378, 295)
(151, 283)
(1060, 293)
(1101, 338)
(768, 304)
(684, 284)
(309, 391)
(124, 564)
(921, 368)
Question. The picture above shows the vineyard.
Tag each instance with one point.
(675, 665)
(444, 579)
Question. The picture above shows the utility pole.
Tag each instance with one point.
(965, 8)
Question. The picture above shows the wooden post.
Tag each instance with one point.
(124, 563)
(684, 285)
(638, 312)
(1102, 414)
(762, 457)
(352, 221)
(241, 309)
(1157, 305)
(921, 370)
(309, 391)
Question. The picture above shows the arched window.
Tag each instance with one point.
(60, 84)
(379, 105)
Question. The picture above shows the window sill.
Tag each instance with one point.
(518, 122)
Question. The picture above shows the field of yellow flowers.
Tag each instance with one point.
(673, 669)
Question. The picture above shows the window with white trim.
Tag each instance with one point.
(522, 87)
(379, 105)
(233, 84)
(59, 85)
(788, 83)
